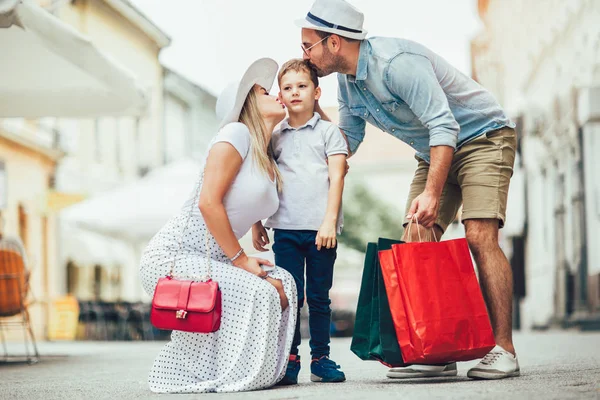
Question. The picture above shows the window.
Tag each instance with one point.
(23, 226)
(3, 187)
(177, 123)
(97, 141)
(72, 278)
(117, 136)
(68, 135)
(97, 282)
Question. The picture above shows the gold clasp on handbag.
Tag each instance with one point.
(181, 314)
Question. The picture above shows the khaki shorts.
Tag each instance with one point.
(479, 178)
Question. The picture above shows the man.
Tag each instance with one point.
(465, 149)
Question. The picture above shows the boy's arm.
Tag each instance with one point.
(260, 237)
(337, 169)
(326, 236)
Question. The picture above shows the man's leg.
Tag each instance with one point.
(449, 204)
(484, 169)
(495, 277)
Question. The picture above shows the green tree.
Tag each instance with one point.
(367, 217)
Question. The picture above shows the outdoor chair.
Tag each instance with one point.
(14, 288)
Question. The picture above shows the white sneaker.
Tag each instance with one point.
(497, 364)
(422, 371)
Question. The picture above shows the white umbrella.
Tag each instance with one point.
(88, 249)
(48, 69)
(138, 210)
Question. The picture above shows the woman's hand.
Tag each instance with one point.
(252, 265)
(326, 237)
(260, 238)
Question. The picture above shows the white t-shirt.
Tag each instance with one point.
(252, 196)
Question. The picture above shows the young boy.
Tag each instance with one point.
(311, 155)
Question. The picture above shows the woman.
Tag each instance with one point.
(238, 188)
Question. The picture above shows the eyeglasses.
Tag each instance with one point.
(307, 50)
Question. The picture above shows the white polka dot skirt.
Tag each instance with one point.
(250, 350)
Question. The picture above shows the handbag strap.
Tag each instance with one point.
(207, 277)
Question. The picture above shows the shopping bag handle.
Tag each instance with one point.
(414, 217)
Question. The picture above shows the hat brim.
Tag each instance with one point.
(303, 23)
(261, 72)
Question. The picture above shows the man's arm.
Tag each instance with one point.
(426, 205)
(412, 78)
(351, 126)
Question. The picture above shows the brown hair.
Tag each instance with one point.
(261, 148)
(298, 65)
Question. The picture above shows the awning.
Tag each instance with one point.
(138, 210)
(88, 249)
(48, 69)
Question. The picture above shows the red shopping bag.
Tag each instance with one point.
(443, 317)
(392, 288)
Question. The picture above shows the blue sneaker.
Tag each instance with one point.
(291, 372)
(325, 370)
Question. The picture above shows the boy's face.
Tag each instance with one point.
(297, 92)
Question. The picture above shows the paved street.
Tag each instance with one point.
(557, 365)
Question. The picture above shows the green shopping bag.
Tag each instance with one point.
(362, 321)
(374, 335)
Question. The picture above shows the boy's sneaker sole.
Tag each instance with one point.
(315, 378)
(412, 373)
(491, 374)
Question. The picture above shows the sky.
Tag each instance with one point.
(213, 41)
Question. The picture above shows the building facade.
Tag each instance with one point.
(27, 169)
(189, 118)
(104, 153)
(542, 61)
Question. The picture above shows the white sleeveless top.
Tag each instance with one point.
(252, 196)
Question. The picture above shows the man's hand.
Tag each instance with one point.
(425, 207)
(260, 238)
(347, 166)
(326, 236)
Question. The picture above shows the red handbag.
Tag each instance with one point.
(187, 305)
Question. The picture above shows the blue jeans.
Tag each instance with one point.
(294, 249)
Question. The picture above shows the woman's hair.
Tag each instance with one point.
(261, 147)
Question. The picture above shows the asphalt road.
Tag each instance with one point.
(554, 365)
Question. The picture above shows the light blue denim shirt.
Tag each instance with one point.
(410, 92)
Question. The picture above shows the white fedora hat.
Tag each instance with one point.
(335, 16)
(231, 100)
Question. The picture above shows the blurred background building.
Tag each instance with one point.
(56, 172)
(542, 61)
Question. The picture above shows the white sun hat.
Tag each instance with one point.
(335, 16)
(231, 100)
